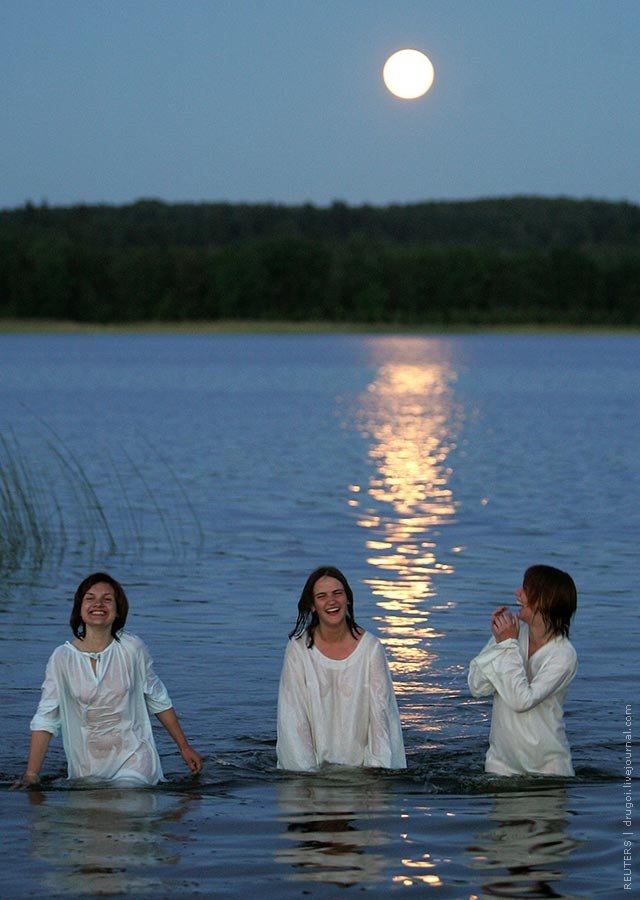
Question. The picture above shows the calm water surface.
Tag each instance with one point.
(210, 474)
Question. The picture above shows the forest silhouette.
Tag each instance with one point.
(495, 262)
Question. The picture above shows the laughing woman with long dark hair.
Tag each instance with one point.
(336, 703)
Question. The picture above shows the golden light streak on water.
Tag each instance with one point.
(410, 418)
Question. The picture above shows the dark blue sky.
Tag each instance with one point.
(282, 100)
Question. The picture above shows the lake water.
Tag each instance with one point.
(210, 474)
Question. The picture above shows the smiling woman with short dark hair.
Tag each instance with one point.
(98, 691)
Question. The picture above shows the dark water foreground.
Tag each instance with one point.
(314, 836)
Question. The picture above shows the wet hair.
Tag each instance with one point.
(552, 593)
(122, 604)
(307, 621)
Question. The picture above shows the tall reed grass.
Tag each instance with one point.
(50, 506)
(27, 512)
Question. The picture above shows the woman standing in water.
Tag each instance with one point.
(527, 666)
(336, 702)
(98, 691)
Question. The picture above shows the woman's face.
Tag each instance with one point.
(329, 600)
(99, 605)
(526, 612)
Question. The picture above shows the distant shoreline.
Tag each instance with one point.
(256, 326)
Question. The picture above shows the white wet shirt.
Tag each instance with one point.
(104, 715)
(339, 711)
(527, 723)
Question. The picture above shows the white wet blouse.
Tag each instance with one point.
(104, 715)
(527, 723)
(338, 711)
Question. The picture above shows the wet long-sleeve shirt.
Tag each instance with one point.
(338, 711)
(527, 722)
(104, 714)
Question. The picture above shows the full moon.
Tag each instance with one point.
(408, 74)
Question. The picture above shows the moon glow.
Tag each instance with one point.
(408, 74)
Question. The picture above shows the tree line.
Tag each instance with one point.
(512, 261)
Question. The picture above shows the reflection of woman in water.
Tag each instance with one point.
(525, 849)
(527, 666)
(99, 690)
(336, 702)
(333, 828)
(109, 842)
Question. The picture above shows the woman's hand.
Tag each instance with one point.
(192, 758)
(504, 624)
(28, 780)
(169, 719)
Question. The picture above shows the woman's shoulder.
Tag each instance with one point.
(561, 650)
(296, 645)
(565, 647)
(367, 639)
(373, 648)
(61, 652)
(129, 641)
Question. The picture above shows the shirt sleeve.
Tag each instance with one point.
(385, 745)
(295, 746)
(503, 667)
(47, 715)
(155, 693)
(479, 683)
